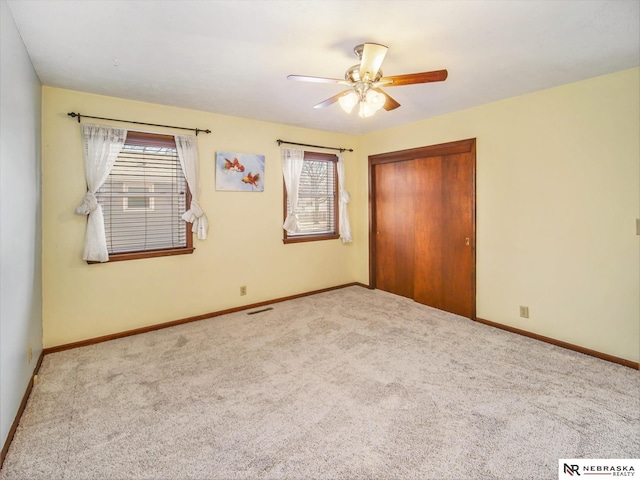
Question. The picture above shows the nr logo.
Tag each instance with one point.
(571, 469)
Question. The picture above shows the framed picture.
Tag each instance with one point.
(239, 172)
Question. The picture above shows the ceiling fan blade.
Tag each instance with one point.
(332, 100)
(372, 56)
(412, 78)
(306, 78)
(390, 103)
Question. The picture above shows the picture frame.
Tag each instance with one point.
(239, 172)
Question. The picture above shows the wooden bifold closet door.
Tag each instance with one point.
(423, 225)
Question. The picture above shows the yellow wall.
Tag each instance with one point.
(244, 246)
(557, 197)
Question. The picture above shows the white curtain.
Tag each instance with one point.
(101, 146)
(187, 146)
(345, 224)
(292, 161)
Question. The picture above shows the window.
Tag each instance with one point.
(138, 197)
(317, 199)
(143, 200)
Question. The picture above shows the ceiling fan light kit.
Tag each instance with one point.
(372, 102)
(365, 80)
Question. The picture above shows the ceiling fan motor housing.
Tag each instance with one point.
(359, 85)
(353, 75)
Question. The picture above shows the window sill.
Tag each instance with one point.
(309, 238)
(118, 257)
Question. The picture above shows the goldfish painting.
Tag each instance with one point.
(234, 166)
(251, 179)
(240, 172)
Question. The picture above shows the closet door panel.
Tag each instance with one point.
(429, 216)
(394, 235)
(444, 233)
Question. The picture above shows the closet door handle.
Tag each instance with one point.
(466, 241)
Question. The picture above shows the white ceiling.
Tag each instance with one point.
(233, 56)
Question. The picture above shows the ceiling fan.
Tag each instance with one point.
(365, 80)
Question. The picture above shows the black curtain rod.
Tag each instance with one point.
(197, 130)
(280, 142)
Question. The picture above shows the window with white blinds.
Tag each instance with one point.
(317, 199)
(144, 197)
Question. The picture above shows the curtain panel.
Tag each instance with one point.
(343, 200)
(187, 147)
(292, 161)
(101, 146)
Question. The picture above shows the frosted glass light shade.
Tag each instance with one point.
(348, 101)
(376, 99)
(366, 110)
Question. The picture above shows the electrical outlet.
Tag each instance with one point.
(30, 354)
(243, 290)
(524, 311)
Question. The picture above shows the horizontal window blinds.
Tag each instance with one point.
(316, 197)
(145, 196)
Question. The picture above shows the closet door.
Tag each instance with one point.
(422, 235)
(444, 233)
(394, 233)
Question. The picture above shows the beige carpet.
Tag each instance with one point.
(347, 384)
